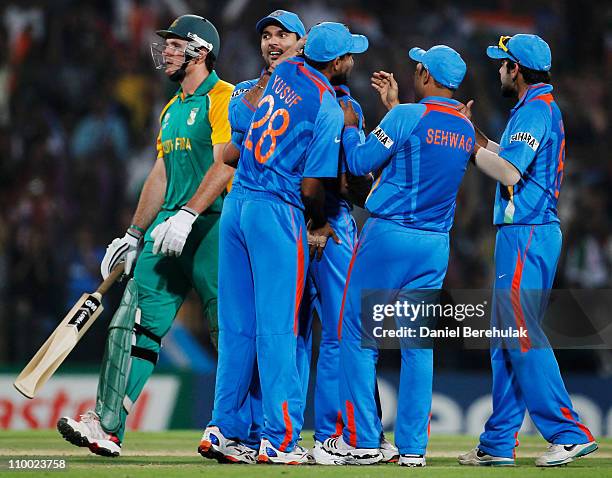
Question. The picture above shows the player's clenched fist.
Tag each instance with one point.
(121, 249)
(170, 236)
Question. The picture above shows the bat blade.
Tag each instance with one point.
(59, 344)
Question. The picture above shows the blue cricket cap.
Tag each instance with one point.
(443, 63)
(329, 40)
(289, 21)
(527, 50)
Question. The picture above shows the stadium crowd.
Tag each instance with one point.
(79, 105)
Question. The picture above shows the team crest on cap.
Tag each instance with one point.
(174, 23)
(276, 13)
(192, 116)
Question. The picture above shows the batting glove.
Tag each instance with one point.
(170, 236)
(121, 249)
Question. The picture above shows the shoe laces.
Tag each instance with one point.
(553, 447)
(89, 416)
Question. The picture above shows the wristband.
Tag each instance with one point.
(137, 228)
(190, 211)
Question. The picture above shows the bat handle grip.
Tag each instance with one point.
(112, 277)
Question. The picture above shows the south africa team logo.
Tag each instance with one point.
(192, 116)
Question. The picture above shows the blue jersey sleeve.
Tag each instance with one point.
(237, 139)
(526, 131)
(240, 111)
(324, 149)
(387, 138)
(359, 111)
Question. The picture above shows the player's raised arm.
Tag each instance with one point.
(386, 86)
(380, 144)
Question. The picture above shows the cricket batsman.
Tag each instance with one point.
(528, 164)
(179, 237)
(404, 246)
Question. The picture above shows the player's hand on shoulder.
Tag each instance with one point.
(170, 236)
(387, 88)
(466, 109)
(122, 249)
(351, 118)
(296, 49)
(317, 240)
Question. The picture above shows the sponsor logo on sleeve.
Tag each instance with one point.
(239, 92)
(525, 137)
(383, 137)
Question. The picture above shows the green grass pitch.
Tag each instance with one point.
(173, 453)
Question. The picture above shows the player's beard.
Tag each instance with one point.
(339, 79)
(508, 91)
(178, 75)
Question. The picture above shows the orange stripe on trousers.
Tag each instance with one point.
(288, 427)
(567, 414)
(350, 415)
(299, 286)
(515, 296)
(339, 424)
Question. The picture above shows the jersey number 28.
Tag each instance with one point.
(268, 121)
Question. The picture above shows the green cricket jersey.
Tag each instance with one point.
(190, 126)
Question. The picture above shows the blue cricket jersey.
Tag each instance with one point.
(334, 203)
(423, 150)
(294, 133)
(240, 112)
(534, 142)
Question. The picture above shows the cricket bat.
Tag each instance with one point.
(63, 339)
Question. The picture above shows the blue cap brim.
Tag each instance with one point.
(497, 53)
(416, 54)
(265, 21)
(360, 44)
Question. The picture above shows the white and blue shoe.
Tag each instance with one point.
(270, 455)
(215, 446)
(557, 455)
(477, 457)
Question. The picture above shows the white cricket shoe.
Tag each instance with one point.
(348, 455)
(562, 454)
(412, 460)
(215, 446)
(477, 457)
(389, 451)
(323, 457)
(87, 432)
(271, 455)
